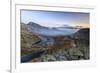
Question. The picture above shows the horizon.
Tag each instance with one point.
(77, 26)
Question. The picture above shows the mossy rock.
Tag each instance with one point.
(75, 52)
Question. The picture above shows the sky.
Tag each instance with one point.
(55, 18)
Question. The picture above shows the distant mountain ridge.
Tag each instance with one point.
(34, 24)
(31, 26)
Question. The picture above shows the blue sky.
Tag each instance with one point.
(55, 19)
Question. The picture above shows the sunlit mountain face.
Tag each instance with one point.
(55, 18)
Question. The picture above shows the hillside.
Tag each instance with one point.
(27, 39)
(81, 52)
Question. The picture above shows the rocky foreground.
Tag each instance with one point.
(80, 52)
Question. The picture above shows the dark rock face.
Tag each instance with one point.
(83, 34)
